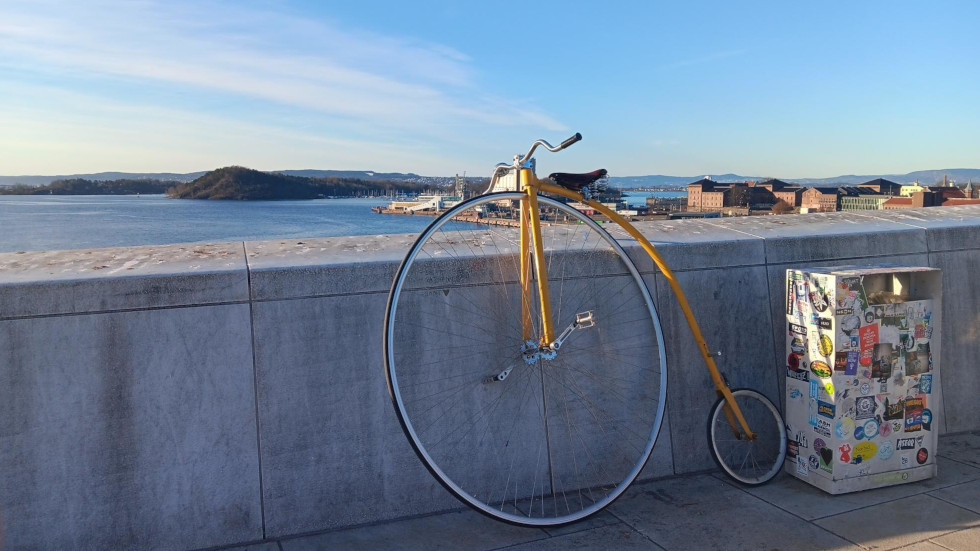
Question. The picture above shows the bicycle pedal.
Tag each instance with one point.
(584, 320)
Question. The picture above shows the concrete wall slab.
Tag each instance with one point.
(731, 306)
(122, 278)
(128, 430)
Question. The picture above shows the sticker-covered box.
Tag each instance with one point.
(862, 375)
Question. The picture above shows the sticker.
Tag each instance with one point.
(814, 388)
(906, 461)
(894, 410)
(844, 427)
(852, 363)
(917, 361)
(889, 478)
(864, 358)
(824, 323)
(814, 462)
(819, 444)
(905, 443)
(859, 432)
(843, 311)
(869, 336)
(925, 383)
(797, 345)
(881, 364)
(865, 389)
(795, 330)
(820, 369)
(826, 345)
(819, 299)
(865, 451)
(869, 317)
(913, 414)
(802, 440)
(840, 362)
(798, 375)
(849, 324)
(926, 419)
(827, 410)
(801, 467)
(871, 429)
(885, 430)
(864, 407)
(922, 456)
(795, 394)
(845, 453)
(812, 405)
(885, 451)
(828, 387)
(822, 427)
(792, 449)
(793, 362)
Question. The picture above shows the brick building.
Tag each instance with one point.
(820, 199)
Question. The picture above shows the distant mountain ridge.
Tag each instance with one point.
(927, 177)
(960, 175)
(369, 175)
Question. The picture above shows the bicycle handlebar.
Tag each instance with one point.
(549, 147)
(520, 159)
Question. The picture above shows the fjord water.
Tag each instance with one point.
(54, 222)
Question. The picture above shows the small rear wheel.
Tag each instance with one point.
(755, 461)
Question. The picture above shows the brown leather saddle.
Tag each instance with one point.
(576, 182)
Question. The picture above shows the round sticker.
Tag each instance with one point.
(844, 427)
(869, 317)
(820, 369)
(885, 429)
(826, 345)
(865, 450)
(885, 450)
(793, 361)
(829, 387)
(922, 456)
(858, 432)
(871, 429)
(819, 444)
(865, 389)
(814, 462)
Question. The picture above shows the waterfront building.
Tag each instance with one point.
(820, 199)
(908, 190)
(863, 200)
(882, 185)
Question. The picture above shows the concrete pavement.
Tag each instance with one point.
(706, 511)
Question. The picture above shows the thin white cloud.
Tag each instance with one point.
(383, 84)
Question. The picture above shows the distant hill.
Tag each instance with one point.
(929, 177)
(99, 176)
(191, 176)
(240, 183)
(79, 186)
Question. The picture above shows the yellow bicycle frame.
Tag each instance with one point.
(530, 228)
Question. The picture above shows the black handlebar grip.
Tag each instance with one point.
(571, 140)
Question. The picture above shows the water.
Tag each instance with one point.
(54, 222)
(637, 198)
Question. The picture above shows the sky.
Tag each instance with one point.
(780, 89)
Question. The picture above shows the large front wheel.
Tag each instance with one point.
(749, 461)
(524, 433)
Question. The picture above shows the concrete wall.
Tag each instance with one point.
(198, 395)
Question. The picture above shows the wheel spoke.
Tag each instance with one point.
(558, 439)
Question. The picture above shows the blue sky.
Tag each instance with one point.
(760, 88)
